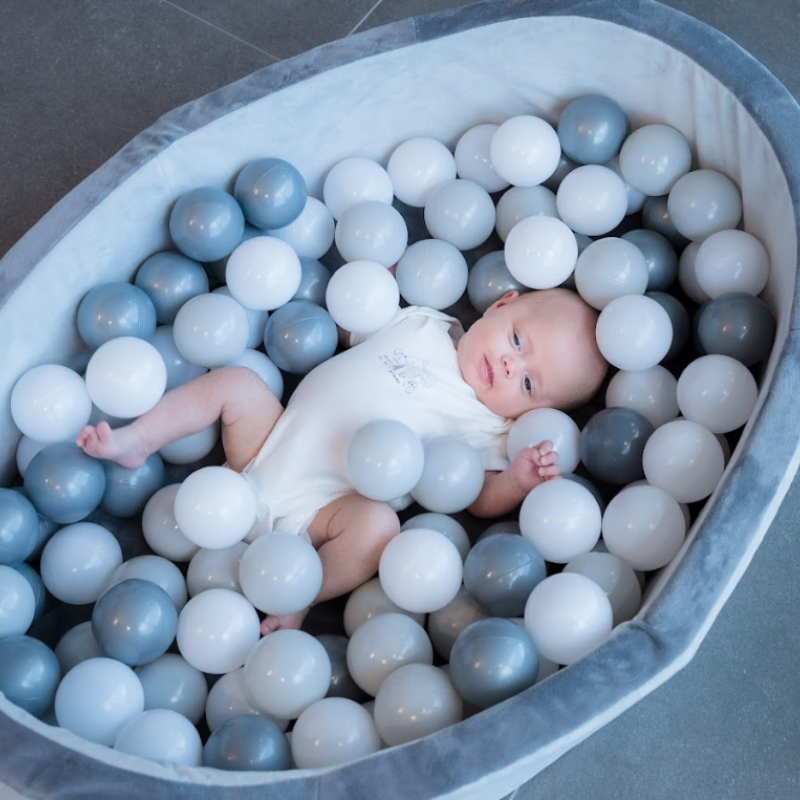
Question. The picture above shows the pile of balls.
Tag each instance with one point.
(454, 622)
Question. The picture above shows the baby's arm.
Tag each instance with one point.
(504, 491)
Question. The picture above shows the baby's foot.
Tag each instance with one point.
(280, 622)
(123, 445)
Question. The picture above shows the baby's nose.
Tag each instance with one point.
(509, 365)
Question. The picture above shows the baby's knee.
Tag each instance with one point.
(378, 519)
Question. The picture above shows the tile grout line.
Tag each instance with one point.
(364, 18)
(222, 30)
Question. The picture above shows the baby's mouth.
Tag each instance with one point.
(488, 372)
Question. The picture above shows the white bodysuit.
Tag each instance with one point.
(407, 371)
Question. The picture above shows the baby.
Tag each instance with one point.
(527, 351)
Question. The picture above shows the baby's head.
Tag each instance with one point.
(533, 350)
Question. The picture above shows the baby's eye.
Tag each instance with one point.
(516, 339)
(528, 385)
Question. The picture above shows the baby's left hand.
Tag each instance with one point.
(534, 465)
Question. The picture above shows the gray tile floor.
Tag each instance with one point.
(79, 79)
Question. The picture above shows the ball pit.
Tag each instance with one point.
(772, 454)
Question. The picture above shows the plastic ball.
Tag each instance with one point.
(521, 202)
(215, 507)
(567, 616)
(432, 273)
(160, 528)
(263, 273)
(656, 217)
(561, 519)
(215, 569)
(299, 336)
(717, 391)
(342, 683)
(179, 370)
(97, 697)
(654, 157)
(372, 231)
(541, 252)
(261, 364)
(610, 268)
(314, 279)
(525, 150)
(286, 672)
(420, 570)
(156, 570)
(362, 296)
(29, 673)
(446, 525)
(500, 572)
(19, 527)
(591, 129)
(128, 490)
(256, 319)
(565, 166)
(445, 625)
(384, 459)
(414, 701)
(126, 377)
(687, 274)
(492, 660)
(27, 448)
(50, 403)
(644, 526)
(651, 392)
(592, 200)
(216, 631)
(612, 443)
(615, 577)
(452, 476)
(460, 212)
(737, 325)
(660, 257)
(634, 332)
(333, 731)
(280, 573)
(171, 683)
(169, 279)
(17, 602)
(369, 600)
(636, 199)
(206, 224)
(39, 592)
(312, 233)
(684, 458)
(192, 448)
(211, 330)
(271, 192)
(704, 202)
(161, 735)
(679, 319)
(229, 698)
(116, 309)
(489, 279)
(355, 180)
(731, 261)
(383, 644)
(417, 166)
(247, 743)
(473, 160)
(76, 645)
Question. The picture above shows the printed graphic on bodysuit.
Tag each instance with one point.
(409, 371)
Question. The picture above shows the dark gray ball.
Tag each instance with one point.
(612, 443)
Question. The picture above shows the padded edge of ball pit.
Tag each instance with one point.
(493, 752)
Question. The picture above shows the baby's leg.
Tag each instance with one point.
(236, 395)
(349, 534)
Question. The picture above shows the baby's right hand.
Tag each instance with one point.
(534, 465)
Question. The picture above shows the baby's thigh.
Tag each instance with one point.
(356, 517)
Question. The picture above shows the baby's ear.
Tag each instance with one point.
(504, 300)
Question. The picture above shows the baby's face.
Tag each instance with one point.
(515, 359)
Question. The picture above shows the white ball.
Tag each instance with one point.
(263, 273)
(520, 202)
(685, 459)
(280, 573)
(229, 698)
(354, 180)
(687, 273)
(653, 157)
(193, 447)
(473, 159)
(420, 570)
(644, 526)
(26, 450)
(126, 377)
(157, 570)
(417, 167)
(610, 268)
(616, 578)
(311, 234)
(369, 600)
(78, 562)
(17, 602)
(362, 296)
(731, 261)
(372, 231)
(452, 475)
(432, 273)
(460, 212)
(217, 629)
(561, 519)
(525, 150)
(263, 366)
(703, 202)
(97, 697)
(257, 319)
(160, 529)
(215, 569)
(717, 391)
(286, 672)
(76, 645)
(634, 332)
(50, 403)
(211, 330)
(541, 252)
(652, 392)
(333, 731)
(546, 424)
(592, 200)
(215, 507)
(170, 682)
(567, 616)
(161, 735)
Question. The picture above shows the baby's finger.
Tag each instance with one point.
(544, 447)
(550, 472)
(545, 459)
